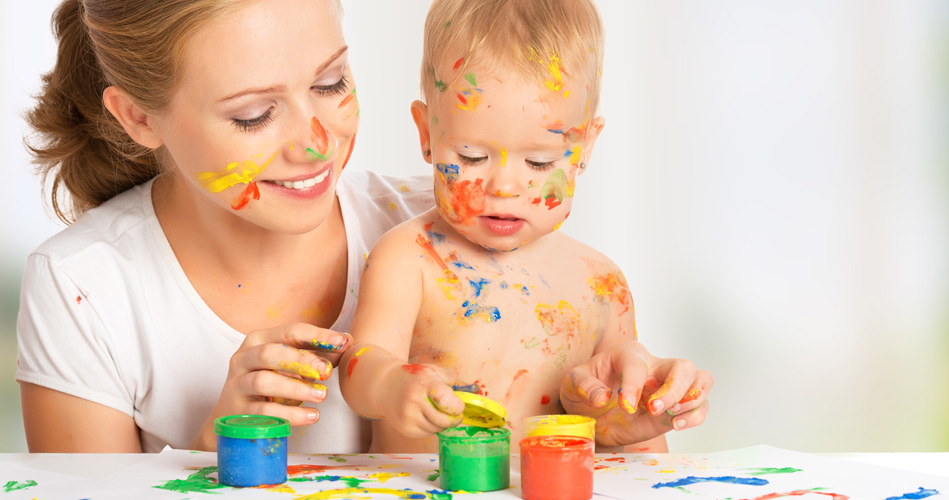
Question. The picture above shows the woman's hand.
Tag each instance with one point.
(652, 395)
(421, 402)
(273, 372)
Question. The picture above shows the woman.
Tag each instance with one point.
(219, 247)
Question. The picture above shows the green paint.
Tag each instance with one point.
(14, 485)
(760, 471)
(337, 459)
(351, 481)
(471, 79)
(447, 24)
(555, 186)
(439, 495)
(433, 476)
(440, 85)
(531, 343)
(199, 482)
(314, 155)
(474, 458)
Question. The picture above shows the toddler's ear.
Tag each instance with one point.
(137, 124)
(420, 116)
(596, 126)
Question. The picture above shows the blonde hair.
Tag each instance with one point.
(136, 45)
(537, 39)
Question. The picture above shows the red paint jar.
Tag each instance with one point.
(556, 468)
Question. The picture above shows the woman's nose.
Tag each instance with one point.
(317, 144)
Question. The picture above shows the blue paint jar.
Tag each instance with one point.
(251, 450)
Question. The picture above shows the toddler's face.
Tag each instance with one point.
(266, 113)
(506, 153)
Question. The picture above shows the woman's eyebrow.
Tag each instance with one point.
(281, 87)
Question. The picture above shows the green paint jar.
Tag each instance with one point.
(474, 458)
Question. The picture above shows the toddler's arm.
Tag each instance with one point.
(375, 379)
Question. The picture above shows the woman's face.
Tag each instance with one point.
(266, 113)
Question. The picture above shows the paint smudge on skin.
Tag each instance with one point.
(797, 493)
(306, 371)
(415, 368)
(554, 68)
(233, 174)
(440, 85)
(322, 149)
(353, 492)
(472, 310)
(249, 193)
(458, 64)
(351, 103)
(574, 155)
(555, 189)
(449, 281)
(922, 493)
(18, 485)
(560, 319)
(352, 362)
(199, 482)
(469, 98)
(449, 171)
(460, 264)
(685, 481)
(519, 374)
(625, 403)
(349, 154)
(466, 203)
(612, 287)
(545, 399)
(503, 152)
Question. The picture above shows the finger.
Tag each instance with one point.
(444, 400)
(677, 376)
(696, 394)
(330, 341)
(266, 384)
(445, 410)
(296, 415)
(632, 366)
(581, 386)
(281, 357)
(691, 418)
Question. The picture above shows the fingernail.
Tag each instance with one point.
(627, 404)
(341, 339)
(656, 406)
(675, 409)
(312, 415)
(595, 396)
(678, 424)
(318, 391)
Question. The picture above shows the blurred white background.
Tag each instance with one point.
(772, 178)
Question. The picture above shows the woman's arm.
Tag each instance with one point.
(60, 423)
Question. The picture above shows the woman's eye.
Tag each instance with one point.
(254, 124)
(540, 165)
(472, 160)
(338, 88)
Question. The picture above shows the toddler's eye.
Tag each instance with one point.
(338, 88)
(472, 160)
(540, 165)
(253, 124)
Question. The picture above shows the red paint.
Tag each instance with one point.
(556, 468)
(552, 203)
(297, 470)
(426, 245)
(797, 493)
(545, 399)
(458, 63)
(320, 138)
(352, 364)
(467, 199)
(462, 99)
(414, 368)
(78, 299)
(507, 396)
(691, 396)
(352, 145)
(244, 198)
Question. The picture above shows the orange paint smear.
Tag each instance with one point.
(458, 63)
(414, 368)
(426, 245)
(545, 399)
(250, 192)
(507, 396)
(691, 396)
(352, 145)
(320, 138)
(613, 287)
(467, 200)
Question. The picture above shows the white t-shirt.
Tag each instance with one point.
(108, 315)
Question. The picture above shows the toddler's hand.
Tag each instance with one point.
(424, 402)
(653, 395)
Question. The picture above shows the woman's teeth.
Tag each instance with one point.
(308, 183)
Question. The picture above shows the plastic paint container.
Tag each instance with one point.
(475, 458)
(560, 425)
(251, 450)
(556, 468)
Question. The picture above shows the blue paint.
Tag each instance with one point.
(462, 265)
(492, 313)
(450, 171)
(750, 481)
(916, 495)
(478, 285)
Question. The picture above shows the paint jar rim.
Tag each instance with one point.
(560, 425)
(557, 442)
(251, 426)
(470, 433)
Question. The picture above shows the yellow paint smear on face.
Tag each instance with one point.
(574, 155)
(233, 174)
(503, 157)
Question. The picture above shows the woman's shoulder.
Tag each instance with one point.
(119, 222)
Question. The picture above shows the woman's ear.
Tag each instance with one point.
(420, 116)
(137, 124)
(596, 126)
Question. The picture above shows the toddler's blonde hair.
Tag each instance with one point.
(536, 39)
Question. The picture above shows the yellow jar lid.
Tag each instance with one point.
(481, 411)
